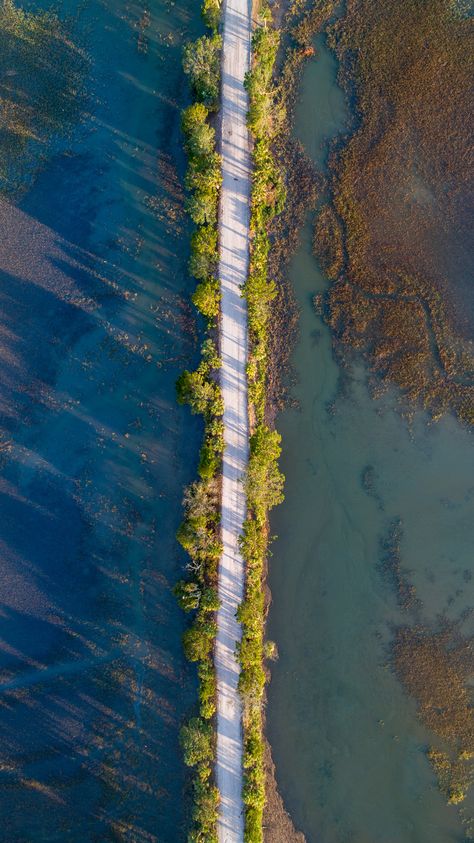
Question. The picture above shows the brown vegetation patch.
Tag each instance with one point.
(302, 188)
(436, 669)
(403, 188)
(277, 824)
(328, 242)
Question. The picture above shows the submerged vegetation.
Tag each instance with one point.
(397, 241)
(436, 668)
(42, 76)
(199, 533)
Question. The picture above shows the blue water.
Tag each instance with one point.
(96, 326)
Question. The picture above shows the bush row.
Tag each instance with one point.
(199, 533)
(264, 480)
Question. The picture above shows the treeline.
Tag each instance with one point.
(264, 480)
(199, 533)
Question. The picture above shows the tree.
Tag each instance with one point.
(264, 479)
(206, 297)
(195, 389)
(198, 640)
(188, 594)
(203, 252)
(209, 461)
(211, 12)
(201, 61)
(206, 801)
(196, 740)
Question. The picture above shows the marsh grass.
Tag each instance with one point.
(436, 667)
(42, 90)
(401, 184)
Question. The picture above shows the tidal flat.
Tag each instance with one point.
(375, 536)
(96, 325)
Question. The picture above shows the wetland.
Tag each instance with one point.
(369, 710)
(96, 325)
(369, 706)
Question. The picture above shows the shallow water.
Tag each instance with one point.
(349, 749)
(96, 326)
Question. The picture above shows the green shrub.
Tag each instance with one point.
(206, 297)
(207, 688)
(201, 62)
(211, 12)
(253, 825)
(198, 639)
(206, 802)
(264, 483)
(196, 741)
(209, 461)
(204, 255)
(199, 533)
(264, 479)
(188, 594)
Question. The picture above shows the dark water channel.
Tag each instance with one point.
(95, 325)
(349, 749)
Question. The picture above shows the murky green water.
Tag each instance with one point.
(95, 325)
(349, 749)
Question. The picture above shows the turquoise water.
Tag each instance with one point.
(96, 325)
(349, 749)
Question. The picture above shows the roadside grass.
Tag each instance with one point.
(264, 484)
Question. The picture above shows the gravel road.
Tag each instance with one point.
(233, 267)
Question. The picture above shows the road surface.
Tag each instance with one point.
(233, 267)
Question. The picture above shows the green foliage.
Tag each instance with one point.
(270, 651)
(263, 118)
(253, 825)
(204, 253)
(206, 801)
(201, 62)
(264, 479)
(206, 297)
(198, 639)
(264, 484)
(199, 389)
(199, 533)
(211, 12)
(207, 688)
(209, 461)
(268, 198)
(188, 595)
(196, 741)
